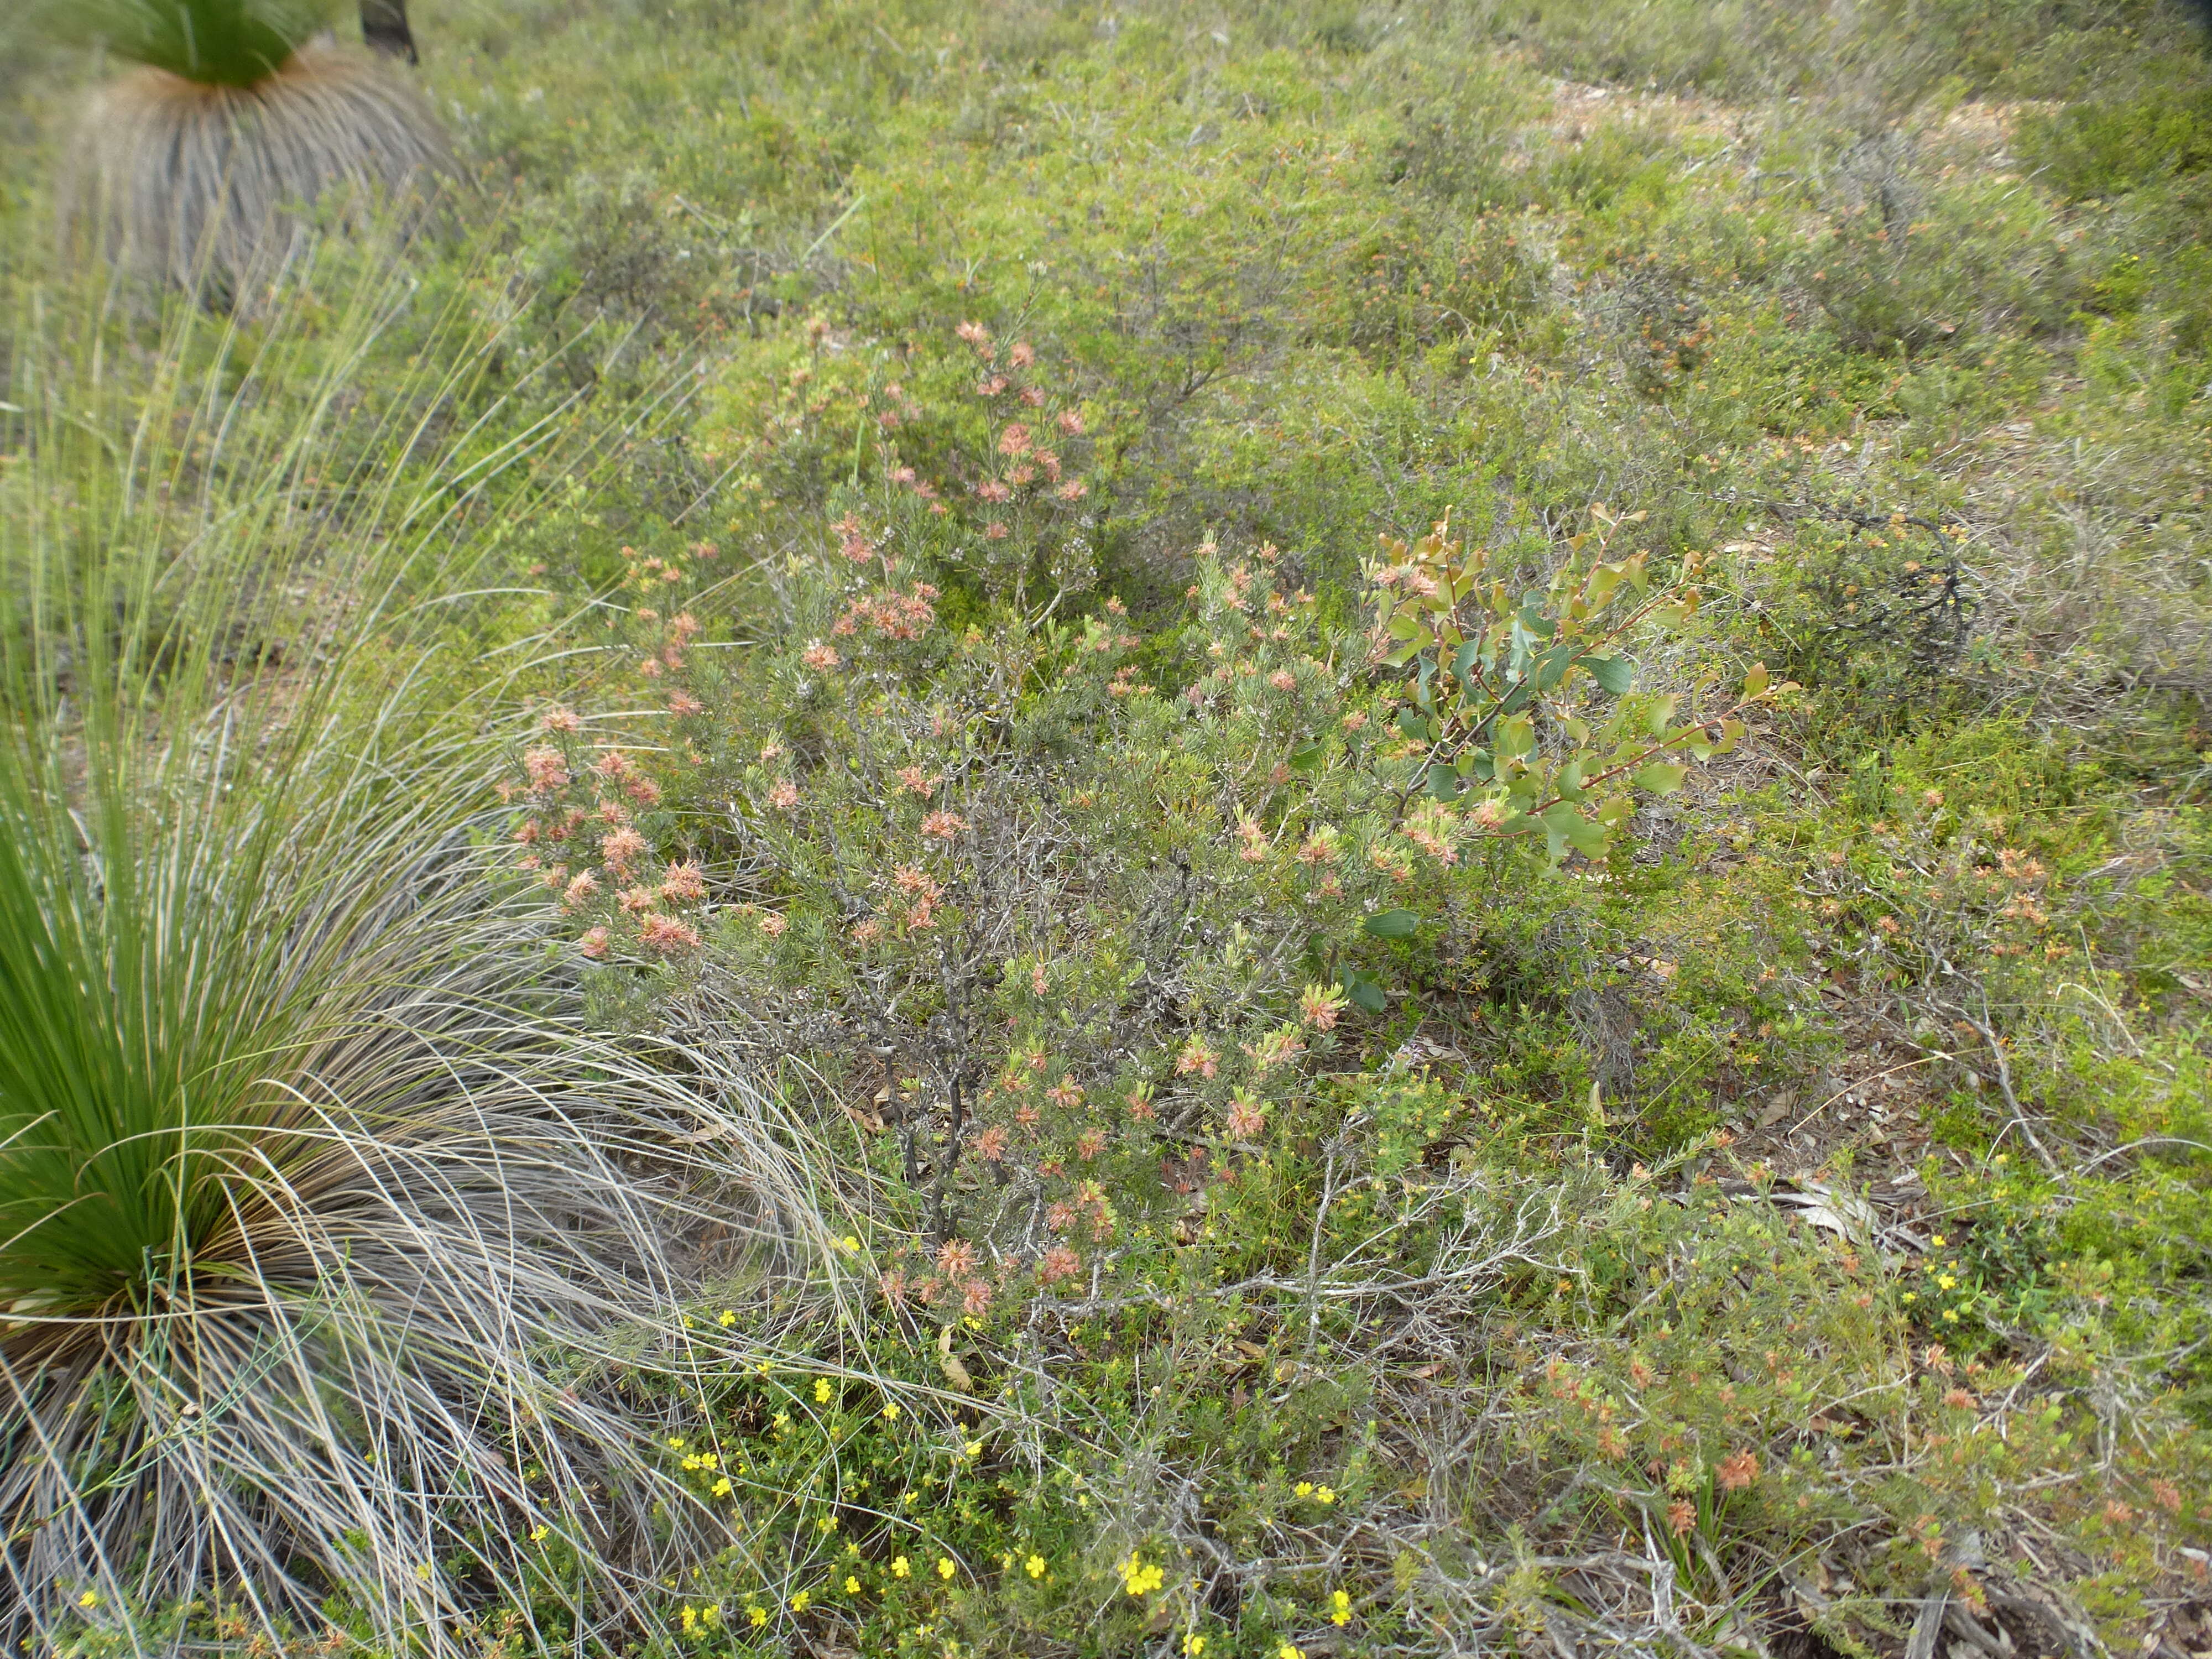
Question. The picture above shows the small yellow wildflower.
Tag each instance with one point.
(726, 1318)
(945, 1567)
(722, 1487)
(973, 1449)
(758, 1615)
(761, 1368)
(821, 1390)
(1286, 1651)
(891, 1411)
(89, 1599)
(425, 1571)
(1194, 1644)
(1340, 1608)
(1304, 1488)
(1034, 1567)
(852, 1585)
(900, 1566)
(850, 1245)
(799, 1601)
(538, 1535)
(1141, 1578)
(1944, 1281)
(828, 1524)
(690, 1323)
(1938, 1241)
(690, 1618)
(1324, 1495)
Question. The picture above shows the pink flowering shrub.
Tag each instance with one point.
(966, 455)
(1082, 923)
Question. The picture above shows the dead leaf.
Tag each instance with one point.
(955, 1372)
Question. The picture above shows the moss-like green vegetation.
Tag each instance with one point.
(1632, 1077)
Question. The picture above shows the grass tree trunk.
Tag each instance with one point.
(383, 26)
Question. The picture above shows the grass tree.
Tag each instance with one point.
(199, 163)
(315, 1206)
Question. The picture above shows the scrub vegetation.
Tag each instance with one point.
(1256, 831)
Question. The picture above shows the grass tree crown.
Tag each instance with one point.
(222, 42)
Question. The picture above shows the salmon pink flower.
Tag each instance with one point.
(619, 847)
(784, 796)
(683, 883)
(942, 825)
(667, 935)
(557, 719)
(773, 924)
(594, 943)
(682, 703)
(955, 1258)
(547, 767)
(1059, 1262)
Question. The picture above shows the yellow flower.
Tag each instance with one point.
(852, 1585)
(1323, 1495)
(799, 1601)
(727, 1318)
(850, 1245)
(821, 1390)
(1340, 1608)
(1304, 1488)
(425, 1571)
(690, 1323)
(1944, 1281)
(828, 1524)
(945, 1567)
(722, 1487)
(1938, 1241)
(1194, 1644)
(1034, 1567)
(538, 1535)
(761, 1368)
(891, 1411)
(708, 1460)
(975, 1448)
(900, 1566)
(1951, 1313)
(1140, 1578)
(1286, 1651)
(691, 1617)
(89, 1599)
(757, 1614)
